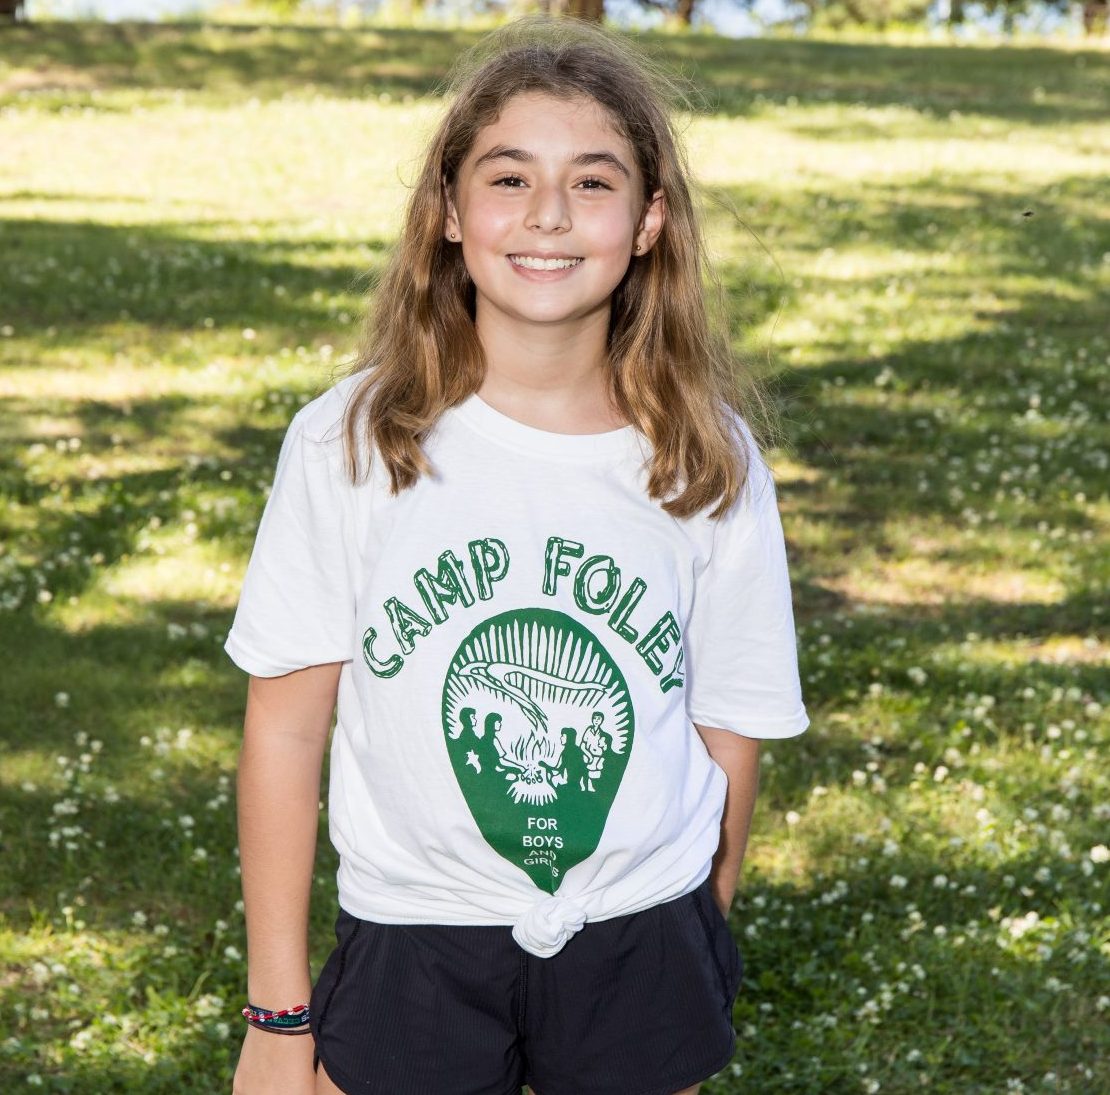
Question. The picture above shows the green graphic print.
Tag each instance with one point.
(539, 726)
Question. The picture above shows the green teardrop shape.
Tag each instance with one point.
(539, 725)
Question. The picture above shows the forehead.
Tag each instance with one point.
(539, 122)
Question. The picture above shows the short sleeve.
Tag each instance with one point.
(296, 607)
(742, 659)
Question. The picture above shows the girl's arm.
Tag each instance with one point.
(285, 732)
(739, 757)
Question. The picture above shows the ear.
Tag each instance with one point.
(451, 220)
(651, 222)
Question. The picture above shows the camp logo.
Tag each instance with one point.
(539, 725)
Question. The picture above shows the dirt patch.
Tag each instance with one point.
(54, 78)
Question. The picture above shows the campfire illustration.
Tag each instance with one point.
(538, 721)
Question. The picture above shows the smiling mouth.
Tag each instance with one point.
(543, 264)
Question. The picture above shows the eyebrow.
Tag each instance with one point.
(583, 159)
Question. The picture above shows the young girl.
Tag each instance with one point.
(531, 549)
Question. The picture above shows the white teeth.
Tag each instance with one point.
(542, 264)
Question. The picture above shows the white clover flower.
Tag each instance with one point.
(793, 817)
(209, 1005)
(61, 699)
(1017, 926)
(917, 675)
(232, 954)
(897, 882)
(939, 773)
(138, 918)
(1099, 853)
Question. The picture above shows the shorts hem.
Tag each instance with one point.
(337, 1076)
(349, 1086)
(697, 1076)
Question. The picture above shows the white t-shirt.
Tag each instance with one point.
(527, 640)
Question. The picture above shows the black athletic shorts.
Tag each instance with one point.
(636, 1005)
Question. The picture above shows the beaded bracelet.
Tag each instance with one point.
(286, 1021)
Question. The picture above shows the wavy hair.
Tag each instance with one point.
(671, 371)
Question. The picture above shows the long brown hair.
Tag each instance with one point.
(671, 370)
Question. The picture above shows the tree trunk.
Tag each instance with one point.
(591, 10)
(1095, 16)
(685, 11)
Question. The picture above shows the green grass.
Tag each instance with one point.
(187, 216)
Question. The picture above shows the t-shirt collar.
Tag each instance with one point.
(492, 423)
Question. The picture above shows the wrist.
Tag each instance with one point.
(274, 995)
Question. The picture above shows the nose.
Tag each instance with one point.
(548, 209)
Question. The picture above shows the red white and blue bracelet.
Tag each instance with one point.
(286, 1021)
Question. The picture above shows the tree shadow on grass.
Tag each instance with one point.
(935, 984)
(736, 77)
(166, 278)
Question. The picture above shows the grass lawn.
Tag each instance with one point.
(921, 266)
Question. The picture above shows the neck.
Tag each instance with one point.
(552, 376)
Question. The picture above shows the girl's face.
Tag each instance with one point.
(550, 178)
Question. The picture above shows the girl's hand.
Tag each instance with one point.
(275, 1064)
